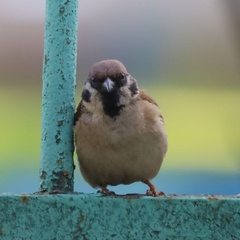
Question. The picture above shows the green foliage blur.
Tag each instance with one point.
(201, 133)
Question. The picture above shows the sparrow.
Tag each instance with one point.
(119, 130)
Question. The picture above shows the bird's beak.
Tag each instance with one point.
(108, 85)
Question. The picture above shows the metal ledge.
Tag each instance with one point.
(93, 216)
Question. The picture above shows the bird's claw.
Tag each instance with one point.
(106, 192)
(153, 190)
(154, 193)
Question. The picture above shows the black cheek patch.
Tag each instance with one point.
(86, 95)
(133, 88)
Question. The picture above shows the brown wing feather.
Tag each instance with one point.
(143, 96)
(78, 113)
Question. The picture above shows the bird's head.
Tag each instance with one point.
(109, 86)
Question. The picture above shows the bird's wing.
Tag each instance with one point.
(78, 113)
(143, 96)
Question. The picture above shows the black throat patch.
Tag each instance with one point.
(110, 103)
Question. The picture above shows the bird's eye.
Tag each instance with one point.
(122, 79)
(93, 81)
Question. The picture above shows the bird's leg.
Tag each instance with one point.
(106, 192)
(153, 190)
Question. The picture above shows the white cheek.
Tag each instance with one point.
(128, 80)
(126, 94)
(123, 101)
(95, 104)
(93, 92)
(90, 89)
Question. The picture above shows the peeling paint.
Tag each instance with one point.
(59, 161)
(43, 175)
(62, 10)
(81, 218)
(60, 123)
(61, 181)
(57, 137)
(68, 41)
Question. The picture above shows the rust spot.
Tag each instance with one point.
(46, 59)
(68, 41)
(60, 86)
(62, 110)
(59, 161)
(156, 232)
(24, 198)
(57, 137)
(212, 197)
(43, 175)
(62, 10)
(45, 137)
(195, 203)
(62, 181)
(81, 217)
(68, 1)
(60, 123)
(1, 232)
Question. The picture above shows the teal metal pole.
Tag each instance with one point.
(58, 96)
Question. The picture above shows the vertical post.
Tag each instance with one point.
(58, 96)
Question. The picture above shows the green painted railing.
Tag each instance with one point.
(81, 216)
(51, 215)
(58, 101)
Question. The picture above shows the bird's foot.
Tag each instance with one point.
(153, 190)
(106, 192)
(154, 193)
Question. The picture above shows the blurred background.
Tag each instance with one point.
(185, 53)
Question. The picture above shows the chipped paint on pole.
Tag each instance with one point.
(93, 216)
(58, 97)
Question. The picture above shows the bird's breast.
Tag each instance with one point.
(121, 150)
